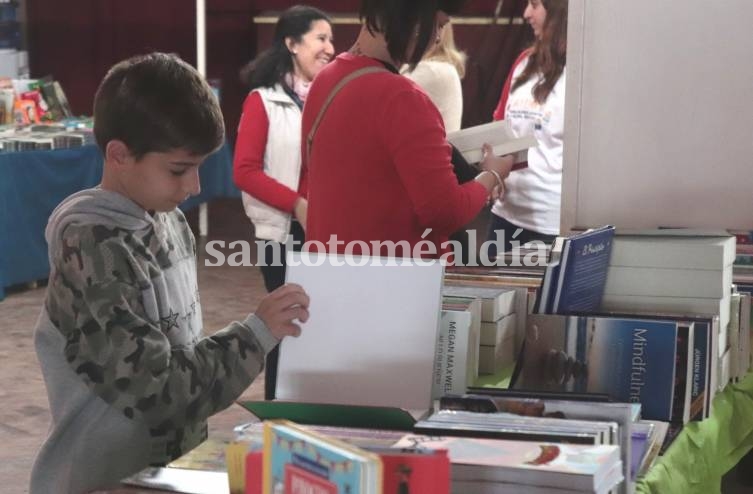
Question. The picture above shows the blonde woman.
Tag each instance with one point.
(439, 74)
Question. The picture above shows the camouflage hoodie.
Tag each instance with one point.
(129, 378)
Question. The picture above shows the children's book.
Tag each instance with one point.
(570, 466)
(298, 460)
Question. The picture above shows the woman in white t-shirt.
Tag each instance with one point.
(533, 101)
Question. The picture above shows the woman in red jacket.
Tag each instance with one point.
(267, 164)
(379, 167)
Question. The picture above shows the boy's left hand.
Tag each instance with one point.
(282, 307)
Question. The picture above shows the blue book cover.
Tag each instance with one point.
(631, 360)
(583, 271)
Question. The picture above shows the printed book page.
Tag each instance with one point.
(498, 134)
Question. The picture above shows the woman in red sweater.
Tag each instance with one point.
(379, 166)
(267, 164)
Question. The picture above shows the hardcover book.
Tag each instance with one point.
(583, 271)
(631, 360)
(298, 461)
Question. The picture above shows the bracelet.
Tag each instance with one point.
(497, 177)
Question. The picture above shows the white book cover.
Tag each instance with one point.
(495, 302)
(497, 134)
(694, 283)
(371, 334)
(672, 251)
(680, 305)
(457, 360)
(493, 333)
(494, 358)
(180, 480)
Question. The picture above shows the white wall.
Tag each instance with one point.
(659, 114)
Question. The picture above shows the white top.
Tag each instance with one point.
(440, 80)
(532, 198)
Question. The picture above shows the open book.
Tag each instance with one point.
(498, 134)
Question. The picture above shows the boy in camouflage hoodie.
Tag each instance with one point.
(130, 379)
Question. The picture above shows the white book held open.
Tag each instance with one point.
(371, 335)
(497, 134)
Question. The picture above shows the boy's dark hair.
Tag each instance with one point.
(397, 20)
(157, 103)
(270, 66)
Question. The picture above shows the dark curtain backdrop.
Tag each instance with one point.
(76, 41)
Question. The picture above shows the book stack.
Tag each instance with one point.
(497, 325)
(503, 466)
(505, 414)
(525, 283)
(681, 272)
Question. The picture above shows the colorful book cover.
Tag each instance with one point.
(583, 271)
(557, 465)
(631, 360)
(300, 460)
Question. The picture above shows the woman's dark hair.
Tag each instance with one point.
(270, 66)
(397, 21)
(548, 53)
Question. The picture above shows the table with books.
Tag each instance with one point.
(32, 183)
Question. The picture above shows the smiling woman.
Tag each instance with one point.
(267, 164)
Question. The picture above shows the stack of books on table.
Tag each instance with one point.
(675, 273)
(498, 325)
(555, 418)
(524, 284)
(506, 467)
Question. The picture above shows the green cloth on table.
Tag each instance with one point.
(499, 380)
(704, 451)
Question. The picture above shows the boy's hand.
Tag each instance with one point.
(281, 308)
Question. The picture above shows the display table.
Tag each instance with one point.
(703, 452)
(33, 183)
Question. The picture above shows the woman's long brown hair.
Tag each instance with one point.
(548, 53)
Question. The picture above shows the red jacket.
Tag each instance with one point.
(380, 164)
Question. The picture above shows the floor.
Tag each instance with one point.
(227, 293)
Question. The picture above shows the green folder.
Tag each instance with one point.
(371, 417)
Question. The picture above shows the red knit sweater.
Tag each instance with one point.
(380, 165)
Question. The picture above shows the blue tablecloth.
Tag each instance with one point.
(32, 183)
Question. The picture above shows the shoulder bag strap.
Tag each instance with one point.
(330, 97)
